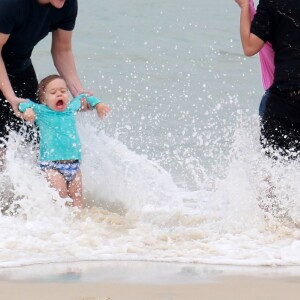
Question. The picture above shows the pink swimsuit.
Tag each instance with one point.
(266, 56)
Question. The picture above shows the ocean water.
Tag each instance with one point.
(175, 173)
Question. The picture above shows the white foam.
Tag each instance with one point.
(137, 212)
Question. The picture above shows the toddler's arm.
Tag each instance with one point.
(101, 108)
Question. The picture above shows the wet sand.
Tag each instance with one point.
(243, 288)
(88, 281)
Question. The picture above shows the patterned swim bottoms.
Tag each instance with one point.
(67, 169)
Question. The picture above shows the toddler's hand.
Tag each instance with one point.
(102, 110)
(29, 115)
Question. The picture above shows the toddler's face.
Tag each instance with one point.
(56, 95)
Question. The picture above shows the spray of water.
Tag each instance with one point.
(135, 210)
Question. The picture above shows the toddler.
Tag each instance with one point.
(60, 150)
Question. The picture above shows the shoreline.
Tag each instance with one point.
(111, 280)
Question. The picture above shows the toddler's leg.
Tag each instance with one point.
(57, 181)
(75, 190)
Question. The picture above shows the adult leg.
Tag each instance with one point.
(280, 138)
(5, 117)
(75, 190)
(263, 103)
(25, 86)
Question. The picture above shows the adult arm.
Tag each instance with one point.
(64, 61)
(5, 85)
(251, 43)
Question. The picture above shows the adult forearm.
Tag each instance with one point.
(5, 85)
(65, 65)
(245, 25)
(250, 42)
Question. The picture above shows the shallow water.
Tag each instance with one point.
(175, 172)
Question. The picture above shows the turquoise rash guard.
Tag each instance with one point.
(59, 139)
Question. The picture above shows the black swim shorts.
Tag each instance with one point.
(280, 124)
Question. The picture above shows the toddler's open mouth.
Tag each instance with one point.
(60, 104)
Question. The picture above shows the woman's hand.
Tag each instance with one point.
(29, 115)
(84, 104)
(242, 3)
(14, 102)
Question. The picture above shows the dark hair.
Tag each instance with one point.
(43, 84)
